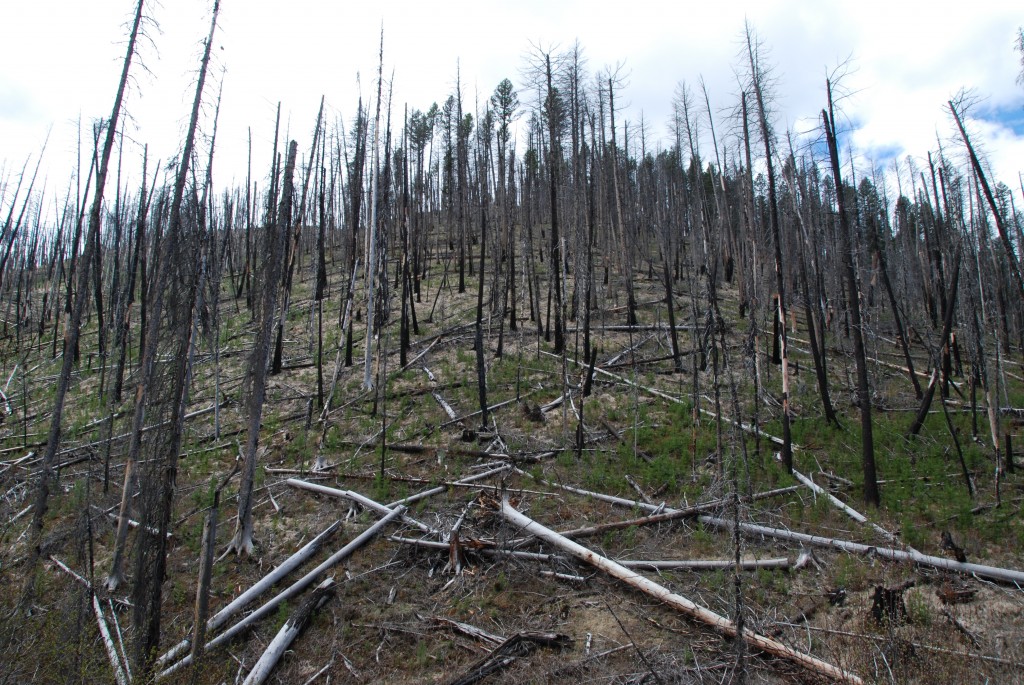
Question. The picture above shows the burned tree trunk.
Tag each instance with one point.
(1004, 238)
(273, 246)
(780, 281)
(46, 471)
(871, 493)
(180, 278)
(947, 327)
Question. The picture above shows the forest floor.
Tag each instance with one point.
(401, 611)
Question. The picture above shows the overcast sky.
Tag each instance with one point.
(61, 59)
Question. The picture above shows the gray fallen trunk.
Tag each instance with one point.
(705, 564)
(295, 624)
(265, 583)
(108, 642)
(291, 591)
(849, 511)
(753, 530)
(1004, 575)
(678, 602)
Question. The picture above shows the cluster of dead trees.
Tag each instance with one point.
(556, 206)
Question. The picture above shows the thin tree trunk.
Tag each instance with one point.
(242, 543)
(947, 326)
(780, 284)
(871, 493)
(371, 263)
(46, 471)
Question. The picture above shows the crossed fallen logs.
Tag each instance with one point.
(563, 548)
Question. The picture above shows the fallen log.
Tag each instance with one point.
(916, 645)
(295, 624)
(444, 405)
(849, 511)
(753, 530)
(291, 591)
(108, 643)
(363, 501)
(678, 602)
(478, 547)
(265, 583)
(705, 564)
(504, 654)
(441, 488)
(669, 515)
(756, 531)
(468, 630)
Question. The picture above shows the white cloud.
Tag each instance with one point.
(906, 60)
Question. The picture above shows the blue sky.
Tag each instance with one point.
(61, 60)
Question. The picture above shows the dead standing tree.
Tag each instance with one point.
(273, 250)
(371, 261)
(180, 273)
(484, 130)
(758, 78)
(542, 71)
(871, 493)
(46, 471)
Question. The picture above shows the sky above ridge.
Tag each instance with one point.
(61, 60)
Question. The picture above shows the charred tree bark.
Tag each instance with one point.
(554, 160)
(871, 493)
(780, 281)
(151, 551)
(46, 471)
(1004, 238)
(947, 327)
(481, 368)
(242, 543)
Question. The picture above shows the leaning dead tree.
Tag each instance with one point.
(997, 215)
(273, 258)
(46, 471)
(853, 290)
(180, 275)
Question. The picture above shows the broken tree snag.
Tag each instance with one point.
(678, 602)
(295, 624)
(950, 546)
(887, 605)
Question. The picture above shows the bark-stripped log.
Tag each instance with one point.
(268, 581)
(108, 642)
(649, 587)
(291, 591)
(1004, 575)
(849, 511)
(295, 624)
(706, 564)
